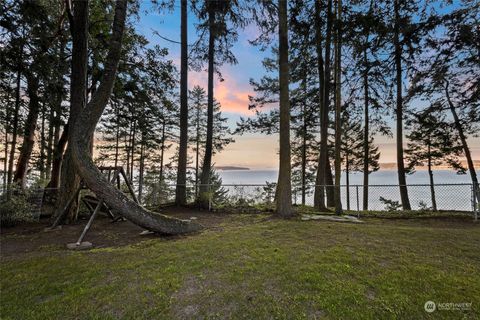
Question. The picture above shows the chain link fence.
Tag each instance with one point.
(442, 197)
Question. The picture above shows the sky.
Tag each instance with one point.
(255, 151)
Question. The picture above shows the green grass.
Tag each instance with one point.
(268, 269)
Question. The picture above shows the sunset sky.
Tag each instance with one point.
(252, 150)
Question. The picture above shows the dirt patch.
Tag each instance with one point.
(31, 237)
(198, 298)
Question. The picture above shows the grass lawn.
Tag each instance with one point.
(255, 267)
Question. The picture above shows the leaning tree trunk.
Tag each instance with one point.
(181, 188)
(85, 127)
(463, 139)
(402, 181)
(284, 189)
(69, 178)
(20, 177)
(207, 157)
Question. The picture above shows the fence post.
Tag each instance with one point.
(358, 199)
(475, 203)
(209, 198)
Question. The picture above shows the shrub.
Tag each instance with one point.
(390, 205)
(15, 208)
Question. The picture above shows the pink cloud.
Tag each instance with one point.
(232, 96)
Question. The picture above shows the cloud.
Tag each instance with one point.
(233, 99)
(232, 95)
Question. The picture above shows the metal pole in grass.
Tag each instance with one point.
(358, 205)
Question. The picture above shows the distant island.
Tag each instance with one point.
(229, 168)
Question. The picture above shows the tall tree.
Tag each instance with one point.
(323, 161)
(448, 73)
(338, 107)
(431, 143)
(402, 181)
(284, 188)
(207, 158)
(181, 190)
(70, 180)
(366, 34)
(38, 17)
(220, 20)
(197, 135)
(84, 128)
(353, 149)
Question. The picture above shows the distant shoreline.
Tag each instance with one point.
(383, 167)
(393, 166)
(231, 168)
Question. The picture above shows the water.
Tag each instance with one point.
(381, 177)
(382, 185)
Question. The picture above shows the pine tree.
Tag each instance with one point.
(432, 143)
(198, 121)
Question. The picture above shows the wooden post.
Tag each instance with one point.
(64, 210)
(129, 185)
(89, 223)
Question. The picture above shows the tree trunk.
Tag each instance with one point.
(304, 141)
(284, 199)
(207, 157)
(55, 124)
(432, 185)
(402, 181)
(117, 135)
(347, 176)
(197, 152)
(140, 174)
(162, 151)
(51, 131)
(43, 145)
(127, 149)
(132, 160)
(181, 188)
(58, 159)
(330, 184)
(20, 176)
(69, 179)
(366, 133)
(338, 109)
(324, 75)
(5, 155)
(463, 139)
(321, 181)
(13, 145)
(83, 130)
